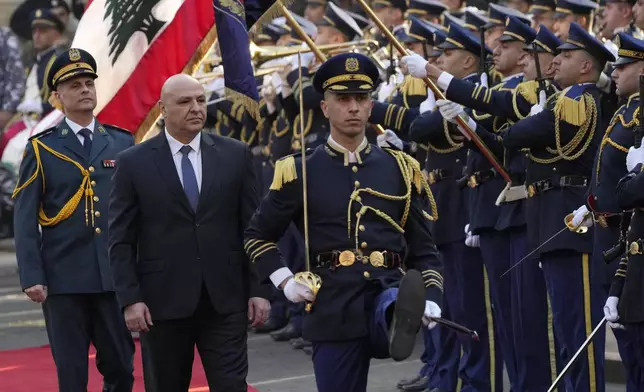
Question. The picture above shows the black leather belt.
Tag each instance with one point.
(437, 175)
(480, 177)
(556, 182)
(517, 179)
(347, 258)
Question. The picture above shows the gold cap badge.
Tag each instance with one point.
(351, 64)
(74, 55)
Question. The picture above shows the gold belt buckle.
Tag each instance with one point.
(634, 248)
(347, 258)
(432, 178)
(377, 259)
(531, 190)
(471, 182)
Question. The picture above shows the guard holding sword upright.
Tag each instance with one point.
(370, 241)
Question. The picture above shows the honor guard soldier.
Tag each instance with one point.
(60, 222)
(610, 166)
(563, 139)
(577, 11)
(507, 103)
(543, 13)
(47, 30)
(487, 223)
(365, 212)
(428, 10)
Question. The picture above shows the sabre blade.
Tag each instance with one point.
(577, 354)
(534, 251)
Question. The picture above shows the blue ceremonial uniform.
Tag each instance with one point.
(467, 285)
(362, 234)
(563, 140)
(627, 285)
(60, 218)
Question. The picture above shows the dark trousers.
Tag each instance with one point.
(344, 366)
(469, 304)
(576, 298)
(534, 344)
(497, 256)
(74, 321)
(168, 350)
(633, 358)
(443, 354)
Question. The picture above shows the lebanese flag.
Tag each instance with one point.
(137, 45)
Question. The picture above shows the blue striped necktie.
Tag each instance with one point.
(190, 185)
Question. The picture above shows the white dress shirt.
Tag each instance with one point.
(77, 127)
(194, 156)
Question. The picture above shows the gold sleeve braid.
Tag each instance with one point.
(621, 271)
(255, 248)
(572, 113)
(68, 209)
(412, 176)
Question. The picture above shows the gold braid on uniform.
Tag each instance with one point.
(412, 176)
(454, 145)
(623, 265)
(528, 90)
(68, 209)
(582, 113)
(607, 140)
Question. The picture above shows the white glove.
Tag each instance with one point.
(386, 89)
(634, 157)
(472, 241)
(538, 107)
(415, 65)
(307, 60)
(611, 313)
(484, 80)
(30, 106)
(389, 139)
(449, 110)
(297, 292)
(432, 310)
(581, 217)
(217, 86)
(429, 104)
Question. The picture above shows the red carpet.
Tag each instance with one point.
(33, 369)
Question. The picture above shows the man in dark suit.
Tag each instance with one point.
(59, 219)
(178, 208)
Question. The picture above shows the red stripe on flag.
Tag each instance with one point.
(167, 56)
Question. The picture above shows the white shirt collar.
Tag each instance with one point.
(512, 76)
(77, 127)
(351, 155)
(176, 145)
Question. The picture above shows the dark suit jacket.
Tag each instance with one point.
(161, 252)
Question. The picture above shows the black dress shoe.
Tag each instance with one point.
(270, 325)
(408, 315)
(406, 381)
(418, 386)
(285, 334)
(300, 343)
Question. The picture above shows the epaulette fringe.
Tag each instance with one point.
(285, 172)
(570, 110)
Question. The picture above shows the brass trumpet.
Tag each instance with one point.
(262, 54)
(210, 76)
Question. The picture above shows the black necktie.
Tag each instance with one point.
(87, 140)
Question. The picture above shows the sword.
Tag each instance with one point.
(577, 354)
(534, 251)
(456, 327)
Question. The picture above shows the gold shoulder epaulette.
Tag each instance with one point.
(570, 109)
(413, 86)
(285, 172)
(528, 90)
